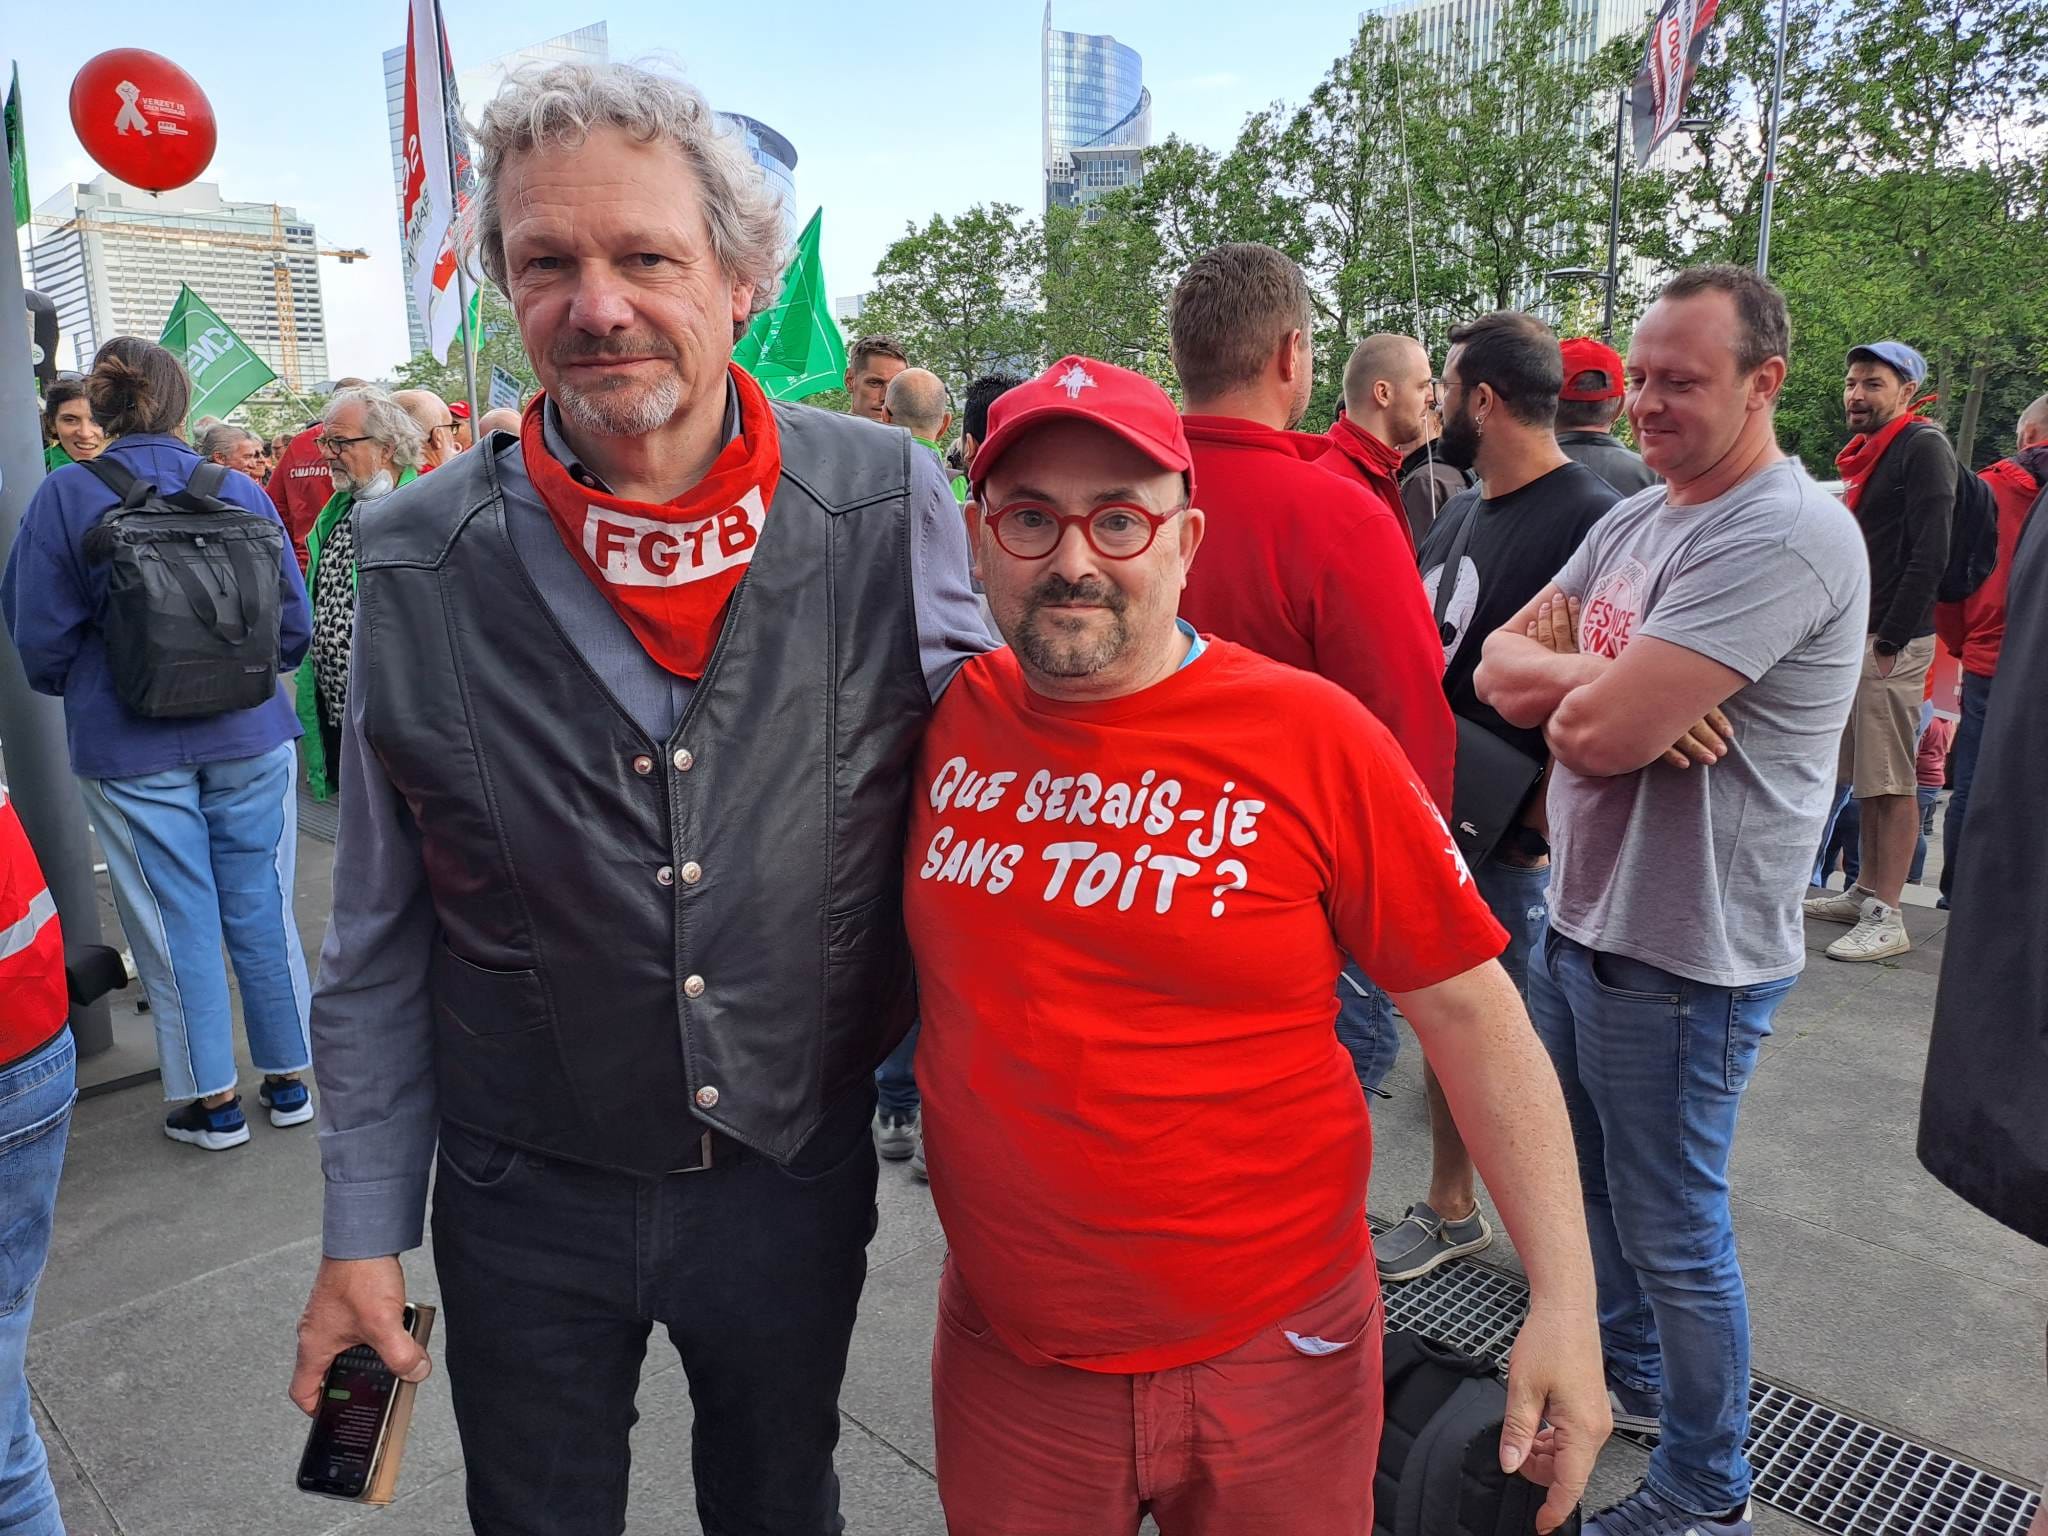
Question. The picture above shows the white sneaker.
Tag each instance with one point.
(1880, 933)
(1839, 906)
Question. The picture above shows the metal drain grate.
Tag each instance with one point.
(1813, 1462)
(319, 818)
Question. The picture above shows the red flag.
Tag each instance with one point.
(1677, 38)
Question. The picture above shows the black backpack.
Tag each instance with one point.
(192, 595)
(1972, 535)
(1439, 1471)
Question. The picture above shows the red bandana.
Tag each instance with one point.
(1864, 450)
(669, 568)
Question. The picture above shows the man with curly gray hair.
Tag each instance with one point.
(618, 916)
(371, 446)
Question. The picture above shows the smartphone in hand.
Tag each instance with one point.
(359, 1428)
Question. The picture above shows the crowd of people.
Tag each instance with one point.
(1077, 804)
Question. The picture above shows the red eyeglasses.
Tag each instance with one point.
(1116, 530)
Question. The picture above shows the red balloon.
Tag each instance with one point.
(143, 118)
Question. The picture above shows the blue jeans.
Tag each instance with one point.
(1365, 1026)
(198, 856)
(1962, 772)
(896, 1078)
(1519, 898)
(1653, 1066)
(1926, 794)
(35, 1115)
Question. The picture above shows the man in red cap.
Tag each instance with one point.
(465, 429)
(1128, 911)
(1587, 408)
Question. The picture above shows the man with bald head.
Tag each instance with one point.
(916, 400)
(501, 419)
(1974, 629)
(436, 421)
(1387, 394)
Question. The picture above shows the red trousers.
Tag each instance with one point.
(1277, 1437)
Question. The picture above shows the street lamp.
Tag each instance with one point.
(1611, 277)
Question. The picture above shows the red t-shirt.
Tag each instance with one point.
(1146, 1143)
(299, 487)
(1312, 570)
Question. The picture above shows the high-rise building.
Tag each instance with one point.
(777, 158)
(1098, 115)
(586, 45)
(1461, 32)
(111, 257)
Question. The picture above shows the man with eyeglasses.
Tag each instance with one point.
(300, 482)
(1136, 858)
(372, 446)
(435, 419)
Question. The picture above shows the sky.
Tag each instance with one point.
(890, 124)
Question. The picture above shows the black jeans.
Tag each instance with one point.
(553, 1274)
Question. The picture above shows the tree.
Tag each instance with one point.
(1104, 288)
(500, 346)
(961, 294)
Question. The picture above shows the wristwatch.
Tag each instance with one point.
(1884, 648)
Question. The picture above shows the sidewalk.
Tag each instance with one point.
(163, 1335)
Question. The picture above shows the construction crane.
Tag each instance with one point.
(280, 269)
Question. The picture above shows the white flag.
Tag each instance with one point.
(433, 199)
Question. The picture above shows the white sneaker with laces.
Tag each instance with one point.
(1878, 934)
(1839, 906)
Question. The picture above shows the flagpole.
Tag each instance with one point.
(445, 66)
(1763, 233)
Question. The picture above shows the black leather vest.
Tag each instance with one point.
(641, 938)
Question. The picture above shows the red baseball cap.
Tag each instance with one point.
(1584, 354)
(1082, 389)
(459, 409)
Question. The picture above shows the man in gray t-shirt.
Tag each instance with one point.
(1691, 666)
(1701, 872)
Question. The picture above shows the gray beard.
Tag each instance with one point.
(378, 486)
(623, 413)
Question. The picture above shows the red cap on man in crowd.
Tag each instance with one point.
(1584, 355)
(1081, 389)
(459, 409)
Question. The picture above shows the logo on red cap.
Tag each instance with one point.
(1074, 380)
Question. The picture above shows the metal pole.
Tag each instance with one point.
(39, 779)
(1763, 232)
(1614, 219)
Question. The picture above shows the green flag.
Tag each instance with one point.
(17, 151)
(795, 349)
(224, 371)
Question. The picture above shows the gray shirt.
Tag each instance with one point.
(372, 1016)
(1700, 870)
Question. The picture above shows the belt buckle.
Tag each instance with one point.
(704, 1156)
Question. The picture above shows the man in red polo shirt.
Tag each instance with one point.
(1302, 566)
(1136, 858)
(1388, 396)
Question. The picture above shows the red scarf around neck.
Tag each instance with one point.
(668, 568)
(1865, 449)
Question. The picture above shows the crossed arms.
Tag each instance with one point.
(1601, 717)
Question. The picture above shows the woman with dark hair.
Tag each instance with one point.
(67, 418)
(198, 817)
